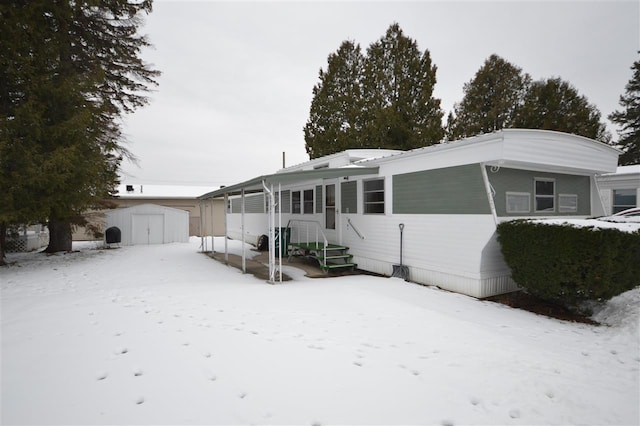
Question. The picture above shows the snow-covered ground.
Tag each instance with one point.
(165, 335)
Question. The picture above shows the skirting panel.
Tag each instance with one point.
(470, 285)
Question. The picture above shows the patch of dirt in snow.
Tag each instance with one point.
(522, 300)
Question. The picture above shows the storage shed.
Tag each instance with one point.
(149, 224)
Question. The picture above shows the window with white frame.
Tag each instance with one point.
(307, 201)
(623, 199)
(373, 196)
(544, 190)
(295, 202)
(567, 203)
(518, 202)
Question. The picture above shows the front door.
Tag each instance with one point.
(330, 206)
(332, 211)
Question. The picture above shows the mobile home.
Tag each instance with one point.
(448, 197)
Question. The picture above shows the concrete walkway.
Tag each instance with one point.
(259, 265)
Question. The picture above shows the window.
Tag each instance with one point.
(374, 196)
(308, 201)
(518, 202)
(295, 202)
(545, 194)
(623, 199)
(567, 203)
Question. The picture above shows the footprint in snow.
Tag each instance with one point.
(207, 354)
(139, 400)
(447, 422)
(121, 351)
(514, 414)
(474, 400)
(101, 375)
(137, 372)
(358, 363)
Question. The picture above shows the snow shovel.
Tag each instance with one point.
(401, 271)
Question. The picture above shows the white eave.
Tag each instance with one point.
(542, 150)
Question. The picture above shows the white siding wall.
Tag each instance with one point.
(255, 224)
(175, 227)
(455, 252)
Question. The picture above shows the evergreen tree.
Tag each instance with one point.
(400, 111)
(334, 119)
(554, 104)
(491, 99)
(69, 70)
(629, 119)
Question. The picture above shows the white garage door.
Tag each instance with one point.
(148, 229)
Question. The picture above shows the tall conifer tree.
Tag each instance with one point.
(400, 111)
(69, 69)
(381, 100)
(554, 104)
(491, 99)
(335, 120)
(629, 119)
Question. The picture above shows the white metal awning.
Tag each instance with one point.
(257, 184)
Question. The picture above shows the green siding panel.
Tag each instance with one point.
(349, 197)
(505, 180)
(451, 190)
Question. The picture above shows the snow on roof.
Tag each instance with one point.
(162, 191)
(625, 170)
(630, 225)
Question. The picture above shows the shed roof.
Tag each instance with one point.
(144, 191)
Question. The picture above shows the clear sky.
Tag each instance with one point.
(238, 75)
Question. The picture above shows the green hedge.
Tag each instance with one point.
(566, 264)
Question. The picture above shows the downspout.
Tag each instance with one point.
(280, 226)
(490, 192)
(603, 208)
(212, 223)
(202, 239)
(244, 264)
(226, 227)
(272, 243)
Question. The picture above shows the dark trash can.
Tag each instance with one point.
(263, 243)
(113, 235)
(286, 238)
